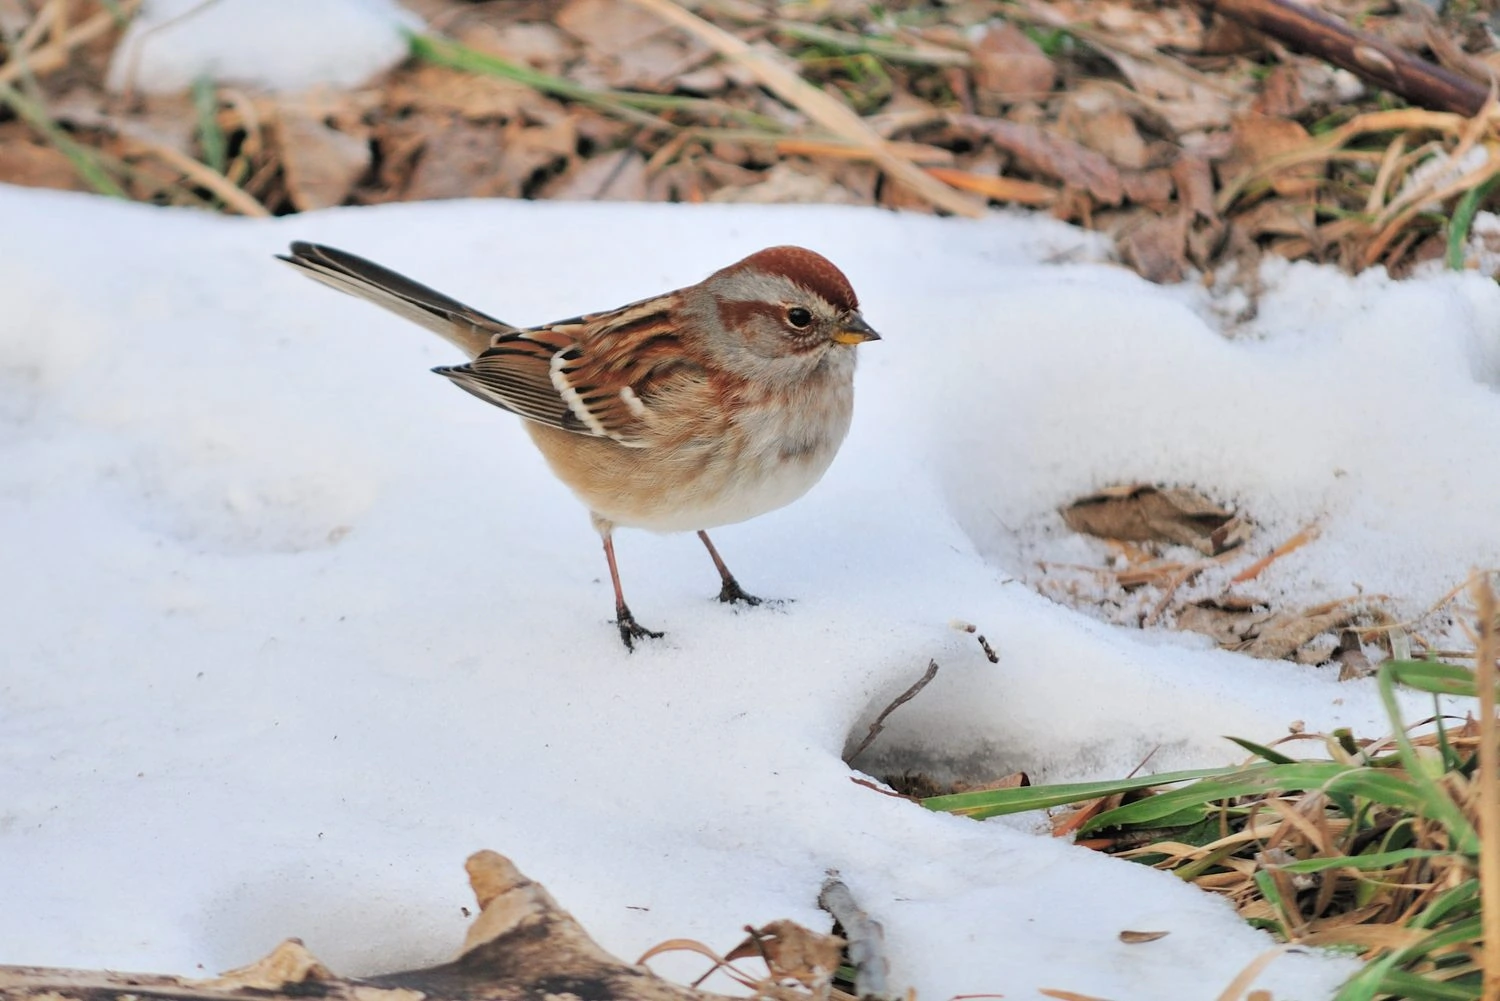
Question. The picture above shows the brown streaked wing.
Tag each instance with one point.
(594, 375)
(515, 374)
(629, 357)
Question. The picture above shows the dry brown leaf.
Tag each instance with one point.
(31, 165)
(322, 165)
(1053, 155)
(459, 161)
(1194, 180)
(1008, 63)
(1094, 117)
(619, 176)
(473, 95)
(1142, 512)
(1228, 623)
(1280, 94)
(792, 952)
(607, 26)
(1258, 138)
(786, 183)
(1289, 634)
(1156, 246)
(541, 46)
(1151, 188)
(1350, 656)
(1138, 937)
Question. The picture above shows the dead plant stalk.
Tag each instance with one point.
(1489, 785)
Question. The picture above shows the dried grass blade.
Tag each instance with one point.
(826, 111)
(204, 176)
(1489, 784)
(1001, 189)
(54, 55)
(81, 157)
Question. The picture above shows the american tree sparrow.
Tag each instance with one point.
(698, 408)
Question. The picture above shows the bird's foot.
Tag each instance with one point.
(732, 594)
(631, 630)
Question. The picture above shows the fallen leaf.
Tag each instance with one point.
(1259, 138)
(1054, 155)
(1093, 116)
(1229, 627)
(1156, 246)
(1350, 656)
(1007, 63)
(1194, 180)
(1146, 513)
(321, 164)
(1285, 634)
(538, 45)
(473, 95)
(1151, 188)
(1137, 937)
(619, 176)
(1280, 94)
(792, 952)
(786, 183)
(608, 26)
(32, 165)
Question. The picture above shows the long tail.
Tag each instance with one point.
(468, 329)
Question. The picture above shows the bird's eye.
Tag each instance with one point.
(798, 317)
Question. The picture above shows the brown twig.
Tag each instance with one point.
(898, 702)
(1368, 56)
(1296, 542)
(1487, 652)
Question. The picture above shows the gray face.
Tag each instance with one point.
(768, 327)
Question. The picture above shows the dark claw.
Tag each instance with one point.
(731, 593)
(631, 630)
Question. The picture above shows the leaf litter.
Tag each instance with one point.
(1199, 143)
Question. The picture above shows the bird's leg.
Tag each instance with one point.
(731, 591)
(630, 630)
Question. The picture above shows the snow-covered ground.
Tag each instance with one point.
(290, 626)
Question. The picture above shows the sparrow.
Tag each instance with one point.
(701, 407)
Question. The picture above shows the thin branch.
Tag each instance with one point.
(898, 702)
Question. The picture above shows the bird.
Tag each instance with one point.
(698, 408)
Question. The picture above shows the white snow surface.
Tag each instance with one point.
(289, 626)
(271, 45)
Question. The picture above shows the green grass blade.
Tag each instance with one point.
(84, 164)
(629, 105)
(1263, 752)
(210, 137)
(1419, 988)
(1364, 863)
(1437, 805)
(998, 802)
(1246, 781)
(1432, 676)
(1463, 219)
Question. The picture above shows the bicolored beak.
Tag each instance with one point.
(854, 330)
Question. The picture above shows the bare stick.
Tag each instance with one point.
(522, 945)
(865, 937)
(1488, 650)
(1369, 57)
(900, 700)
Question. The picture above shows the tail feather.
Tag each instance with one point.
(466, 328)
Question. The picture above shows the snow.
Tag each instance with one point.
(291, 626)
(271, 45)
